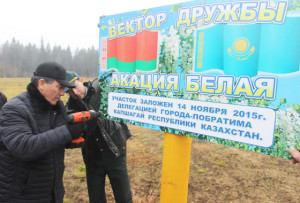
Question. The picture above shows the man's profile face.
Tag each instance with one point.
(51, 92)
(78, 92)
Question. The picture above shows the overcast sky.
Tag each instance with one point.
(62, 22)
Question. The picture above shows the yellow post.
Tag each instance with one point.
(175, 168)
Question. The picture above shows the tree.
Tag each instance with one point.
(18, 60)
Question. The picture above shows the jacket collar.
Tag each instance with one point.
(90, 91)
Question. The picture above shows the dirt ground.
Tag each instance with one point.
(217, 173)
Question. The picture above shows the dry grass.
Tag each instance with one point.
(217, 173)
(13, 86)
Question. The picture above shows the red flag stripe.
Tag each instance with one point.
(142, 46)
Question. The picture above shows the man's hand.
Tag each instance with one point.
(296, 154)
(75, 129)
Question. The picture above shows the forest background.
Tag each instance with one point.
(20, 60)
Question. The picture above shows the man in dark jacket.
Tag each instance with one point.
(33, 135)
(3, 99)
(104, 150)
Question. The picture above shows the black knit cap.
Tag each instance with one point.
(53, 70)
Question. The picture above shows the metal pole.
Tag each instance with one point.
(175, 168)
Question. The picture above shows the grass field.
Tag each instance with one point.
(217, 173)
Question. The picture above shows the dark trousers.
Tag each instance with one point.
(100, 163)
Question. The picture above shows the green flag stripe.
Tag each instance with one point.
(112, 63)
(146, 65)
(131, 66)
(126, 66)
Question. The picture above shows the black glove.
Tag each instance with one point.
(75, 129)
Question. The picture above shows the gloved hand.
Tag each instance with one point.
(75, 129)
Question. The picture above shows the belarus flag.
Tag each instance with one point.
(130, 53)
